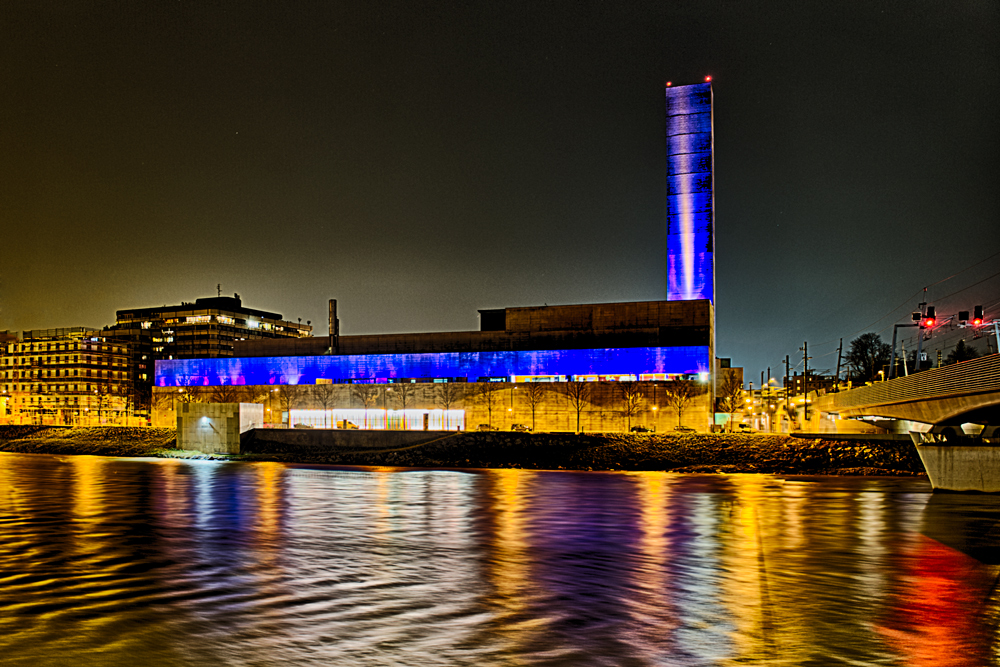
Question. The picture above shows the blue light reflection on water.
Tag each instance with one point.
(107, 560)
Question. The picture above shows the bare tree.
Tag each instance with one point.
(679, 394)
(226, 393)
(630, 394)
(448, 394)
(534, 394)
(290, 396)
(162, 400)
(488, 394)
(578, 395)
(868, 355)
(192, 395)
(404, 393)
(325, 394)
(252, 393)
(367, 394)
(730, 393)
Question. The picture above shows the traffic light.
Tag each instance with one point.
(963, 317)
(977, 316)
(929, 318)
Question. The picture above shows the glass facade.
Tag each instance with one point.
(468, 366)
(690, 194)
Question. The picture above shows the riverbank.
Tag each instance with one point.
(710, 453)
(94, 440)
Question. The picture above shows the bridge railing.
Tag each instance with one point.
(963, 378)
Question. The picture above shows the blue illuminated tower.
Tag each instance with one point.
(690, 194)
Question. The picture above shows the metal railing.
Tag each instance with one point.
(967, 377)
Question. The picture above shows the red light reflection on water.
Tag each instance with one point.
(932, 625)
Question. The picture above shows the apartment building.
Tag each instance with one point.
(67, 376)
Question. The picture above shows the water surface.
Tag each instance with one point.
(167, 562)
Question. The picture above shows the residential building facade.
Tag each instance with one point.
(69, 376)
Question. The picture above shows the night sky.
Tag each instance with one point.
(419, 161)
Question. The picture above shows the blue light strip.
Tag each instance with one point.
(470, 365)
(690, 198)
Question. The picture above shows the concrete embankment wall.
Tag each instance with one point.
(962, 467)
(333, 440)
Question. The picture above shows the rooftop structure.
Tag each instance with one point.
(206, 328)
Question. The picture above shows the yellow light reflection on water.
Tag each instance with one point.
(269, 493)
(746, 588)
(509, 563)
(651, 607)
(88, 472)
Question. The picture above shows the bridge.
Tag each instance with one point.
(966, 392)
(945, 398)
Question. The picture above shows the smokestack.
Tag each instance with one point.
(334, 328)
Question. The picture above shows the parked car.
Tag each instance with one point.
(345, 424)
(520, 428)
(302, 426)
(745, 428)
(639, 429)
(684, 429)
(487, 427)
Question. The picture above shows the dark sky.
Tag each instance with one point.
(418, 161)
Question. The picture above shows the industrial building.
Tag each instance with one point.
(640, 342)
(604, 366)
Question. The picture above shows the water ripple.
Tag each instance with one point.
(110, 561)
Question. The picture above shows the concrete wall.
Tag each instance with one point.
(310, 439)
(962, 468)
(603, 412)
(216, 427)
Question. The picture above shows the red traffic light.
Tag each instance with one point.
(930, 318)
(977, 315)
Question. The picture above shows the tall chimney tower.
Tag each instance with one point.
(690, 193)
(334, 328)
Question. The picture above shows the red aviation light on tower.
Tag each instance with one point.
(708, 79)
(669, 83)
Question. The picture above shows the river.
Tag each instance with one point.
(145, 562)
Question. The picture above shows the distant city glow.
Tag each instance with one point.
(461, 366)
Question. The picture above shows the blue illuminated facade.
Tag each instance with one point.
(470, 366)
(690, 194)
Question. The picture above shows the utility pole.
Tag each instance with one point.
(892, 363)
(920, 332)
(786, 384)
(839, 352)
(805, 380)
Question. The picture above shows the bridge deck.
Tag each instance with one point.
(977, 376)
